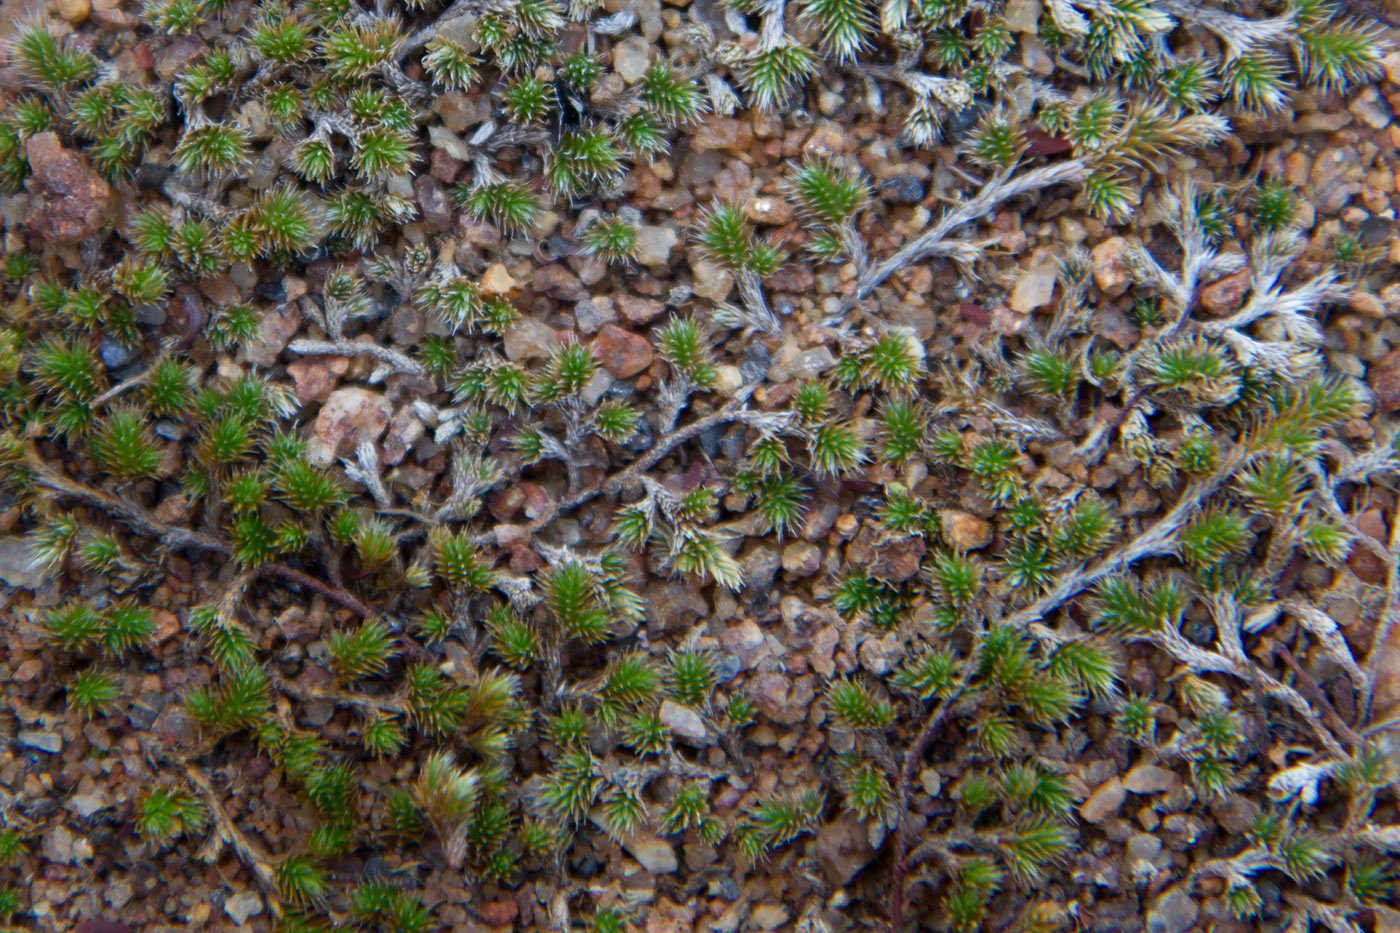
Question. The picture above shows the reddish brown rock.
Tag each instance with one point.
(178, 55)
(556, 281)
(443, 167)
(795, 277)
(894, 559)
(621, 352)
(349, 416)
(316, 376)
(1226, 295)
(963, 531)
(68, 199)
(636, 311)
(718, 132)
(276, 328)
(500, 913)
(433, 203)
(1364, 562)
(1384, 378)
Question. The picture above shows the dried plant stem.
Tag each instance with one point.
(907, 773)
(1390, 615)
(1201, 660)
(171, 536)
(1315, 694)
(1157, 540)
(1001, 188)
(333, 593)
(373, 704)
(399, 362)
(130, 512)
(120, 388)
(250, 853)
(734, 410)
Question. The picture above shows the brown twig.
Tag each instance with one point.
(173, 536)
(373, 704)
(250, 853)
(1319, 699)
(912, 759)
(732, 411)
(333, 593)
(125, 509)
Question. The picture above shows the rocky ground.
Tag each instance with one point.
(71, 782)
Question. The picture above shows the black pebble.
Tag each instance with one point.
(902, 189)
(151, 175)
(271, 291)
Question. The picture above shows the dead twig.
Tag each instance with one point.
(173, 537)
(734, 410)
(250, 853)
(994, 192)
(333, 593)
(912, 759)
(1157, 540)
(1390, 614)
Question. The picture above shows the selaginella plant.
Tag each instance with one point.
(475, 674)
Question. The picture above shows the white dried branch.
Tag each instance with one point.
(616, 24)
(1203, 661)
(1334, 918)
(1301, 781)
(1155, 541)
(723, 100)
(1329, 635)
(1362, 468)
(1384, 838)
(745, 318)
(368, 472)
(396, 362)
(999, 189)
(1238, 33)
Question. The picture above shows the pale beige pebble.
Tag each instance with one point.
(631, 58)
(769, 917)
(349, 414)
(964, 531)
(1035, 57)
(498, 281)
(1151, 779)
(1370, 108)
(768, 210)
(1391, 63)
(1111, 271)
(1104, 801)
(1367, 304)
(1072, 231)
(1296, 168)
(1008, 323)
(1022, 16)
(654, 245)
(73, 11)
(728, 380)
(802, 558)
(1034, 288)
